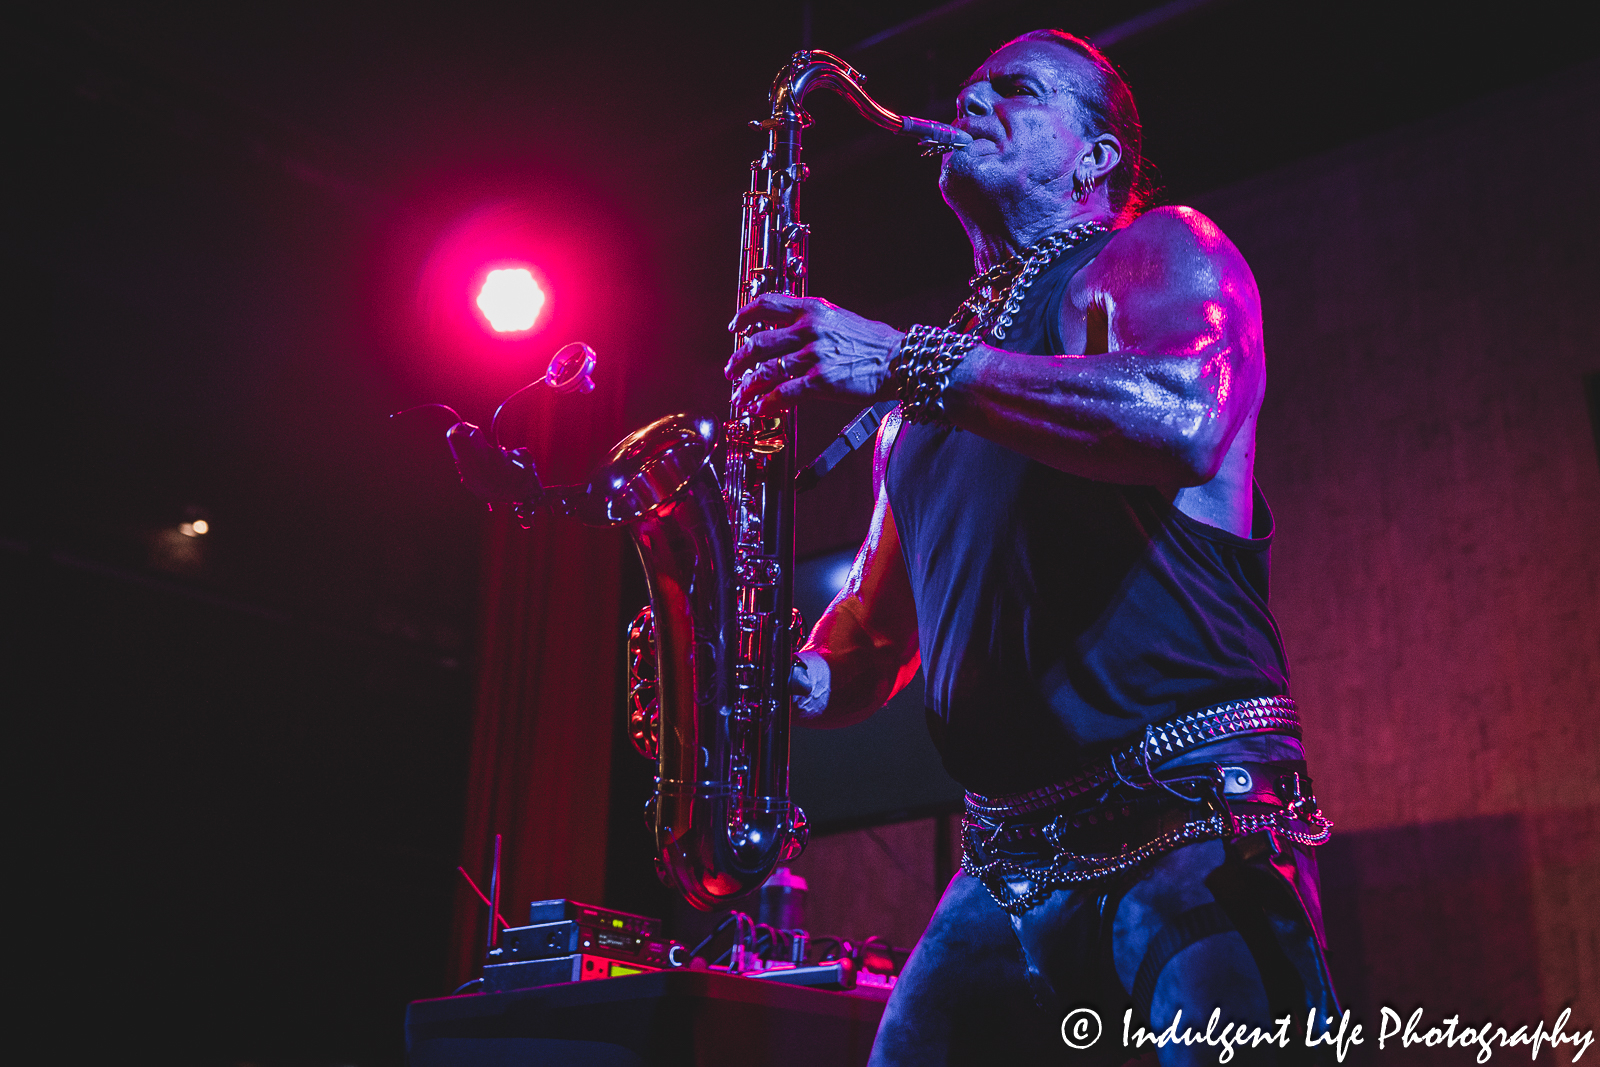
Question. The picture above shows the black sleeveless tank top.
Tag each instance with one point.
(1058, 615)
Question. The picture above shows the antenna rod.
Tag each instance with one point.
(494, 895)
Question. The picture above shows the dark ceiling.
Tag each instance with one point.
(228, 212)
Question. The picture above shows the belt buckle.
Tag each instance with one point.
(1236, 781)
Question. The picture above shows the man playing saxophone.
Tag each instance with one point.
(1067, 538)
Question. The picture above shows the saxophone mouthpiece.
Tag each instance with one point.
(935, 138)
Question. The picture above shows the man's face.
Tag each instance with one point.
(1026, 137)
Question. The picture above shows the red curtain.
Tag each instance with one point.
(550, 651)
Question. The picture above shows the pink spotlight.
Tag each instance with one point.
(510, 299)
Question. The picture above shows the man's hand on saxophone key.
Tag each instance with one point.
(808, 347)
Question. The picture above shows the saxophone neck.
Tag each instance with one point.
(817, 69)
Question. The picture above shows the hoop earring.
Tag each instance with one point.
(1081, 189)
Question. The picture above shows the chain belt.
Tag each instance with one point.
(1017, 886)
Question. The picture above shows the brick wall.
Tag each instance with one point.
(1426, 447)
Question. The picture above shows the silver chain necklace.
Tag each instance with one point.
(994, 308)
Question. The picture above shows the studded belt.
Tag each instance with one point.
(1115, 815)
(1130, 815)
(1159, 743)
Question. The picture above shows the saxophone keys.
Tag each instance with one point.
(798, 833)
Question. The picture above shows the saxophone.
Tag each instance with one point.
(710, 657)
(710, 507)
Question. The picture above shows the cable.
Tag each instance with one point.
(494, 423)
(723, 925)
(772, 940)
(419, 407)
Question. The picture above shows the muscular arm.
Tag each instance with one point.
(864, 648)
(1170, 369)
(1167, 370)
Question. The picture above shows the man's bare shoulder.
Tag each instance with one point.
(1171, 246)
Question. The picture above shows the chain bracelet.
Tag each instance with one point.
(922, 368)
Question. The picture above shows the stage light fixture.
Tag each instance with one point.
(511, 300)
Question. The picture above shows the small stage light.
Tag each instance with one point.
(510, 300)
(200, 526)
